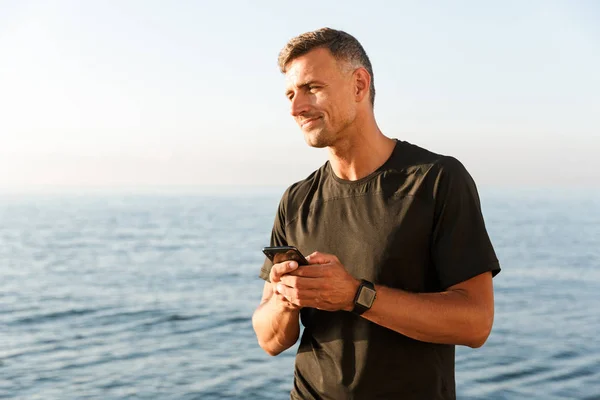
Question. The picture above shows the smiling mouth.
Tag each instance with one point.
(308, 121)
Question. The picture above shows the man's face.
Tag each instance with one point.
(322, 96)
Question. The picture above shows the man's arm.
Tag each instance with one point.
(462, 314)
(276, 321)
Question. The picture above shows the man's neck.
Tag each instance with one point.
(360, 153)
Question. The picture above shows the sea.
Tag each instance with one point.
(150, 296)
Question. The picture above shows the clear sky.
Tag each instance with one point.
(187, 93)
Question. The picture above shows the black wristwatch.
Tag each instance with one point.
(364, 298)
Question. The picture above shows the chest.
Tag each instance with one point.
(385, 240)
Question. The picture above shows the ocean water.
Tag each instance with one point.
(151, 297)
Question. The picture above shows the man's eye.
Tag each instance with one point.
(313, 88)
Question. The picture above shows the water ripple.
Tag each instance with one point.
(142, 297)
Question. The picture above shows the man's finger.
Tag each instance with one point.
(321, 258)
(311, 271)
(300, 282)
(281, 269)
(301, 298)
(285, 291)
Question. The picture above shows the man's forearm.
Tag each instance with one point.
(449, 317)
(277, 325)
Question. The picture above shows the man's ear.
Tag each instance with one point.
(362, 83)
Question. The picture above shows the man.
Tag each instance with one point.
(404, 266)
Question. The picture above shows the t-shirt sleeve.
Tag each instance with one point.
(461, 247)
(278, 237)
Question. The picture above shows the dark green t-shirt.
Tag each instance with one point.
(414, 224)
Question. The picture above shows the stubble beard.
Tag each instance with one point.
(319, 138)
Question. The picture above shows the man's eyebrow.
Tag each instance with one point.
(304, 85)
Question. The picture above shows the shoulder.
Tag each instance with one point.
(451, 174)
(451, 181)
(299, 191)
(438, 172)
(413, 159)
(451, 167)
(409, 154)
(416, 155)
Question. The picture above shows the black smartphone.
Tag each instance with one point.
(279, 254)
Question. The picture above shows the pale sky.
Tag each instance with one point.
(113, 94)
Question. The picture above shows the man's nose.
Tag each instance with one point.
(299, 105)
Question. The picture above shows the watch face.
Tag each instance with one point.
(366, 297)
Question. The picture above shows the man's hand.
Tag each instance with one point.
(276, 321)
(324, 284)
(278, 271)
